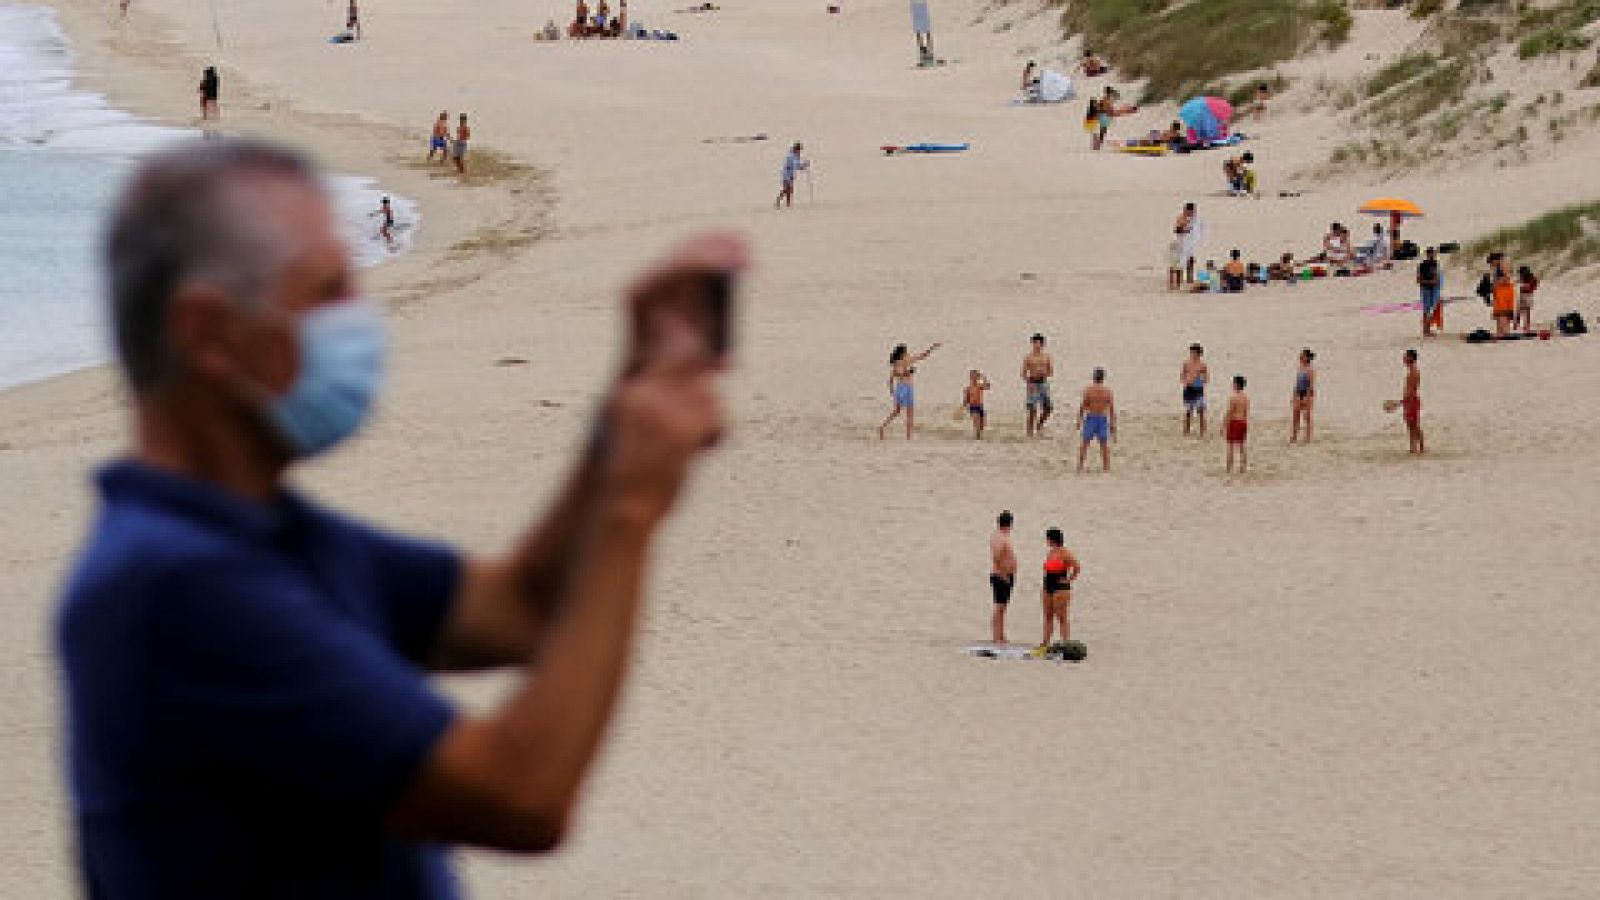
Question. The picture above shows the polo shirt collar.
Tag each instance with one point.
(132, 482)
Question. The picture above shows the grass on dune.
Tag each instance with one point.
(1559, 241)
(1181, 46)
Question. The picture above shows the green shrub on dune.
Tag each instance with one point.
(1180, 47)
(1559, 241)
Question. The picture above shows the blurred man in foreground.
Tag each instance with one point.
(248, 713)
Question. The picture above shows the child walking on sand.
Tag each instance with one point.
(1193, 376)
(1238, 423)
(972, 396)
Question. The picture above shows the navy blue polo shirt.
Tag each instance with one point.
(245, 697)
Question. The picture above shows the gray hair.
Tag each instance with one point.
(182, 218)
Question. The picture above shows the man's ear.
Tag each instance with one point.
(201, 333)
(214, 339)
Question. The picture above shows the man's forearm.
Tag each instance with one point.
(554, 722)
(542, 560)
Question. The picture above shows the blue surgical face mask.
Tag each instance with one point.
(341, 364)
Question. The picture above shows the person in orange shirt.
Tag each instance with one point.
(1505, 293)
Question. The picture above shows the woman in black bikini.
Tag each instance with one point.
(1060, 570)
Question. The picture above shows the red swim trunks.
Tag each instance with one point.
(1411, 408)
(1237, 429)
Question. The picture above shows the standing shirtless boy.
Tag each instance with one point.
(1002, 574)
(1411, 403)
(1193, 376)
(1097, 420)
(1238, 423)
(972, 396)
(1037, 369)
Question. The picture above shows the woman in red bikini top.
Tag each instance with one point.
(1060, 568)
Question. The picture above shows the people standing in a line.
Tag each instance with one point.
(439, 141)
(1097, 420)
(793, 165)
(245, 672)
(1411, 403)
(1193, 376)
(1061, 568)
(902, 393)
(1503, 293)
(1303, 398)
(1237, 424)
(1037, 370)
(1430, 281)
(210, 91)
(972, 396)
(463, 142)
(1527, 283)
(352, 20)
(1002, 575)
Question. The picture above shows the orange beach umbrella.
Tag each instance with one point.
(1395, 208)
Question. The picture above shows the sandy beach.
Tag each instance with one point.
(1349, 673)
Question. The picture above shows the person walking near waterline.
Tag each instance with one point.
(439, 141)
(210, 91)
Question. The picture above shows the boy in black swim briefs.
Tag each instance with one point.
(1002, 574)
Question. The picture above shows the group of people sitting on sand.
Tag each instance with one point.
(1097, 410)
(601, 23)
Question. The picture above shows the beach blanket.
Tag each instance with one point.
(1057, 653)
(892, 149)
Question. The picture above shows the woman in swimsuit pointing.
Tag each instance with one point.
(902, 369)
(1060, 570)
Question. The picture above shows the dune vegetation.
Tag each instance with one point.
(1556, 242)
(1181, 47)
